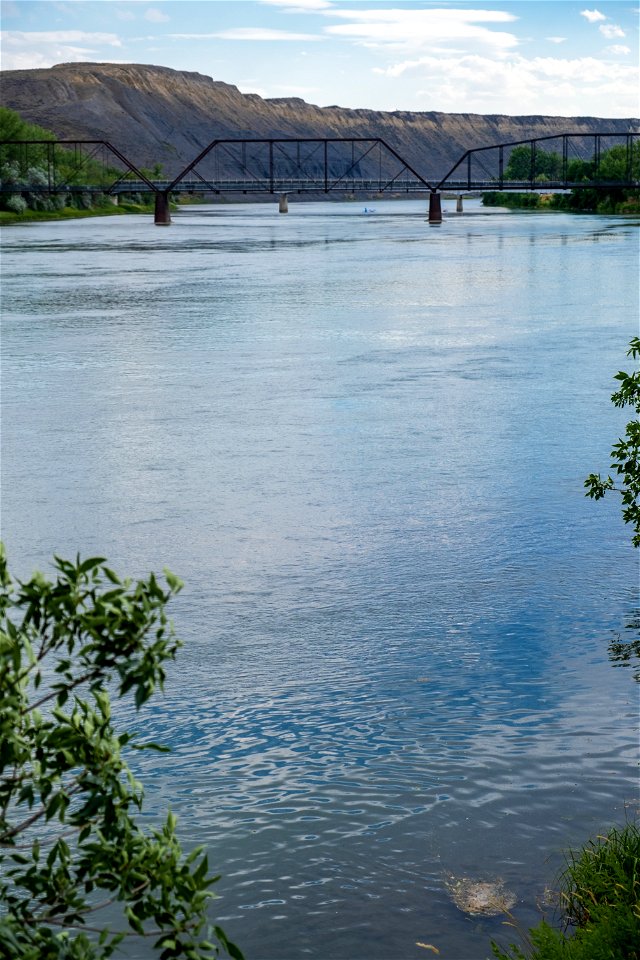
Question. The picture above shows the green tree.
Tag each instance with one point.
(13, 127)
(47, 165)
(579, 170)
(70, 843)
(617, 163)
(615, 166)
(546, 165)
(625, 455)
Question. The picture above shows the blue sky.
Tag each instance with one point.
(550, 56)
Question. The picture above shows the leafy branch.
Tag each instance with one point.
(625, 455)
(69, 841)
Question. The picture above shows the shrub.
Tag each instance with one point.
(15, 203)
(600, 897)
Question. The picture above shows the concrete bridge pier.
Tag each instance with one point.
(459, 207)
(435, 208)
(162, 216)
(283, 203)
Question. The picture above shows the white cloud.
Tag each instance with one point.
(413, 28)
(299, 6)
(619, 48)
(20, 37)
(592, 15)
(125, 15)
(36, 60)
(156, 16)
(517, 85)
(251, 86)
(556, 39)
(22, 50)
(611, 31)
(260, 33)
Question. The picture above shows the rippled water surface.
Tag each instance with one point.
(361, 441)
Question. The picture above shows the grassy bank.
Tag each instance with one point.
(599, 896)
(579, 201)
(73, 213)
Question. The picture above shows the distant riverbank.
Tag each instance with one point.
(574, 202)
(8, 217)
(553, 202)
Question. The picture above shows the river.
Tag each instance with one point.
(361, 441)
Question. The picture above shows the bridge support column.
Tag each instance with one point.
(162, 217)
(435, 208)
(283, 204)
(459, 207)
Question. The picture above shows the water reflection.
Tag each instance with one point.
(624, 648)
(362, 444)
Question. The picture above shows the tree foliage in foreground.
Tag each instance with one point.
(625, 455)
(70, 844)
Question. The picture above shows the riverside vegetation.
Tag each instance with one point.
(599, 895)
(19, 204)
(548, 167)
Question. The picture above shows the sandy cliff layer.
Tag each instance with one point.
(154, 114)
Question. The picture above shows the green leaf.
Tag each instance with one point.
(90, 564)
(134, 922)
(160, 747)
(174, 582)
(230, 947)
(110, 575)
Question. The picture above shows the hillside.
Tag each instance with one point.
(154, 114)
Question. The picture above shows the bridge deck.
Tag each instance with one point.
(293, 186)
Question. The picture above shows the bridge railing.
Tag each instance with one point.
(276, 185)
(355, 187)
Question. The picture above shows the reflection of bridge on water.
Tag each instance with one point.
(330, 165)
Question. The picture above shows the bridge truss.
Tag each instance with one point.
(287, 165)
(303, 165)
(58, 166)
(558, 162)
(346, 165)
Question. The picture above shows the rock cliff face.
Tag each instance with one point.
(154, 114)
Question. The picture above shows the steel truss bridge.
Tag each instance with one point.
(336, 165)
